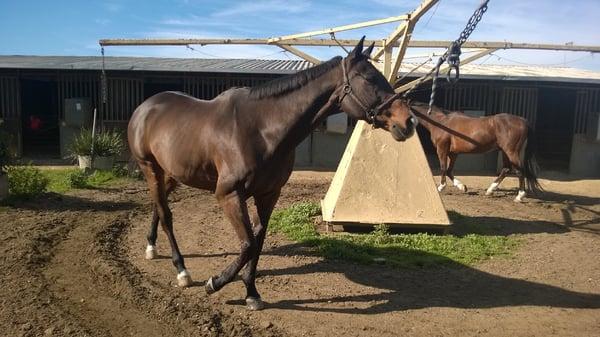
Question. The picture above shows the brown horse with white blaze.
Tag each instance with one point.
(453, 133)
(241, 145)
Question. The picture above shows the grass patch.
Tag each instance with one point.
(398, 250)
(64, 180)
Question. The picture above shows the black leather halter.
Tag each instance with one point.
(370, 113)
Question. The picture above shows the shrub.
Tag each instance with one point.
(77, 179)
(127, 171)
(109, 143)
(82, 144)
(26, 181)
(106, 144)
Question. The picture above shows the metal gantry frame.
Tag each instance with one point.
(389, 55)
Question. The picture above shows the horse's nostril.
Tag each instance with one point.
(409, 124)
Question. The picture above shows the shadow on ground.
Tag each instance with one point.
(453, 285)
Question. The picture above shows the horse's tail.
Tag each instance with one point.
(530, 166)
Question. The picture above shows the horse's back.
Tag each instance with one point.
(510, 125)
(173, 115)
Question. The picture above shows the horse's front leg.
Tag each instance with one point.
(264, 208)
(236, 211)
(457, 183)
(443, 157)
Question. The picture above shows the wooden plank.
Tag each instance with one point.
(299, 53)
(445, 68)
(387, 61)
(402, 50)
(339, 28)
(345, 42)
(401, 30)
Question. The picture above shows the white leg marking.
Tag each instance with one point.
(150, 252)
(492, 188)
(441, 187)
(184, 279)
(459, 185)
(520, 196)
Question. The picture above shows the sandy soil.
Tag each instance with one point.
(73, 266)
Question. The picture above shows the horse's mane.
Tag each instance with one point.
(285, 84)
(426, 106)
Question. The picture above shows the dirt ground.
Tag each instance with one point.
(73, 266)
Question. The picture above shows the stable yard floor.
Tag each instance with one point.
(74, 266)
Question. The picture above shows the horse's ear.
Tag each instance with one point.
(367, 52)
(357, 51)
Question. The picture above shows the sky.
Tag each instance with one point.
(61, 27)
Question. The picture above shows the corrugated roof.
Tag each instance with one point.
(154, 64)
(252, 66)
(514, 73)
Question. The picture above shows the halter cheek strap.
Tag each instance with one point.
(370, 113)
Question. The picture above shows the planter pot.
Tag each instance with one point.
(104, 163)
(85, 162)
(3, 186)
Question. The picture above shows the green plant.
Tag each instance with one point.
(109, 143)
(26, 181)
(106, 143)
(81, 144)
(77, 179)
(397, 250)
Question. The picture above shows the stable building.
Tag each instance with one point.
(44, 100)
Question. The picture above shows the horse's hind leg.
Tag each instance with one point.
(158, 191)
(515, 161)
(505, 170)
(170, 185)
(235, 209)
(457, 183)
(264, 208)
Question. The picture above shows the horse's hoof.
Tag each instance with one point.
(491, 189)
(520, 196)
(151, 252)
(441, 187)
(184, 279)
(254, 303)
(209, 286)
(459, 185)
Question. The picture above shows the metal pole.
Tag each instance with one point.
(93, 135)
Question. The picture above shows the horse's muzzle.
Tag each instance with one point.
(401, 134)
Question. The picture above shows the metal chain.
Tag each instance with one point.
(452, 55)
(103, 78)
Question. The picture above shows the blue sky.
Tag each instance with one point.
(62, 27)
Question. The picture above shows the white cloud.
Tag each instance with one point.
(268, 6)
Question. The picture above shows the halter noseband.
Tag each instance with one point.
(370, 113)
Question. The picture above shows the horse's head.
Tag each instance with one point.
(365, 95)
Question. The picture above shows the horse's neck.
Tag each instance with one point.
(293, 115)
(429, 121)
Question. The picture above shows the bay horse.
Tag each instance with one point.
(453, 133)
(241, 145)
